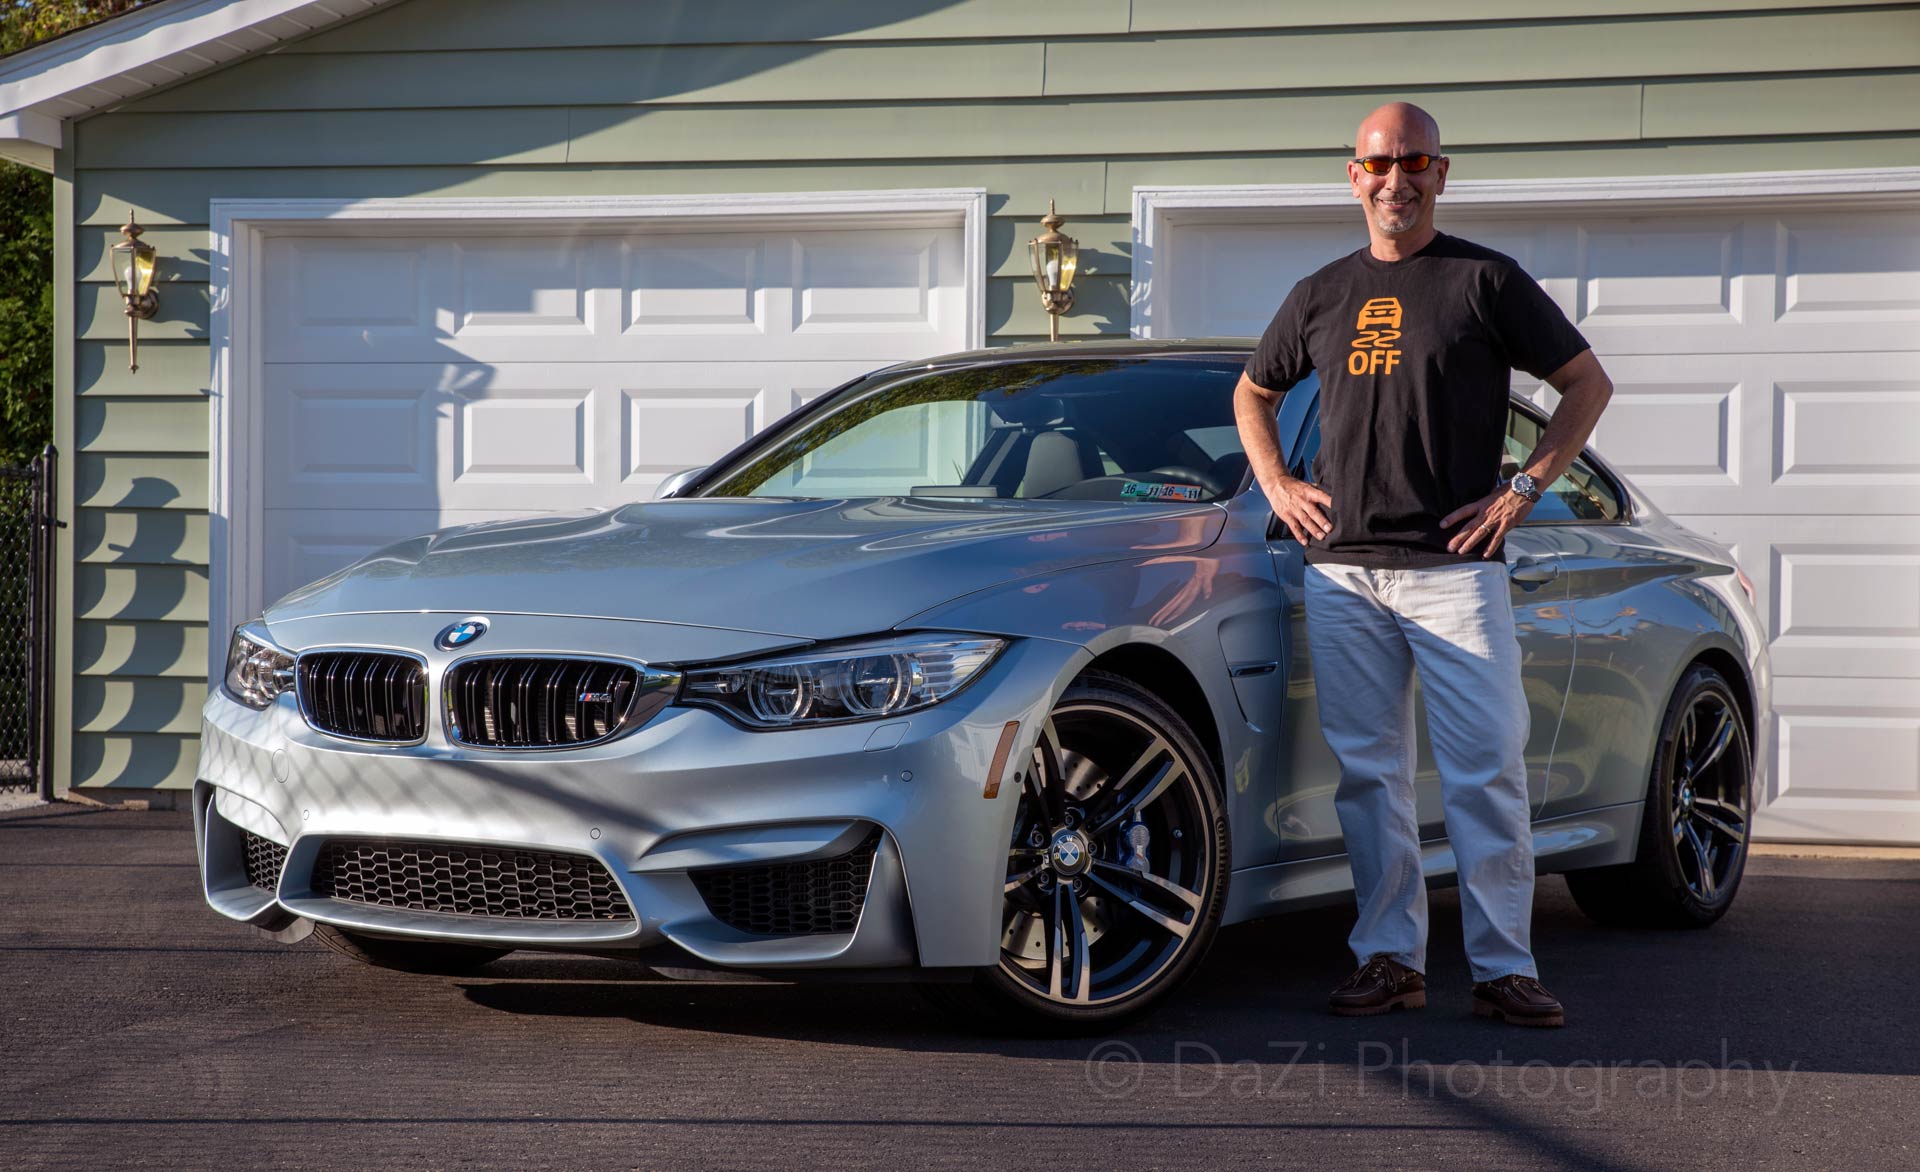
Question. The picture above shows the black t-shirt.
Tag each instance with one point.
(1415, 359)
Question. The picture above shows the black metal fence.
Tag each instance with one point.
(27, 529)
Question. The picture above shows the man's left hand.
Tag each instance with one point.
(1487, 519)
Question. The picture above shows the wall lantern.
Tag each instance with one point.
(1055, 257)
(133, 273)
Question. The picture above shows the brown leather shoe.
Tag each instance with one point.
(1517, 1000)
(1379, 986)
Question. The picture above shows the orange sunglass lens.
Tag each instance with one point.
(1381, 164)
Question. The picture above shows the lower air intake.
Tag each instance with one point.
(791, 899)
(264, 858)
(455, 879)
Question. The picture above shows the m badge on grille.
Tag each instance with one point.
(461, 633)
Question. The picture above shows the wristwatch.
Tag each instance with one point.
(1526, 486)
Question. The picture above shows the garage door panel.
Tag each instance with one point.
(339, 298)
(698, 285)
(1849, 761)
(1847, 270)
(339, 432)
(524, 437)
(1633, 276)
(520, 286)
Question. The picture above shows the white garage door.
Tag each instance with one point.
(1767, 395)
(414, 381)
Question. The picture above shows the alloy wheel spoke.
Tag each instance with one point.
(1190, 898)
(1015, 881)
(1082, 960)
(1054, 947)
(1150, 793)
(1159, 917)
(1727, 828)
(1703, 860)
(1717, 742)
(1116, 811)
(1038, 781)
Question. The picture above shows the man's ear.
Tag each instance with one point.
(1441, 186)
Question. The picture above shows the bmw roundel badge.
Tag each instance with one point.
(460, 634)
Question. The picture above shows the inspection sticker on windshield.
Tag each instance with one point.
(1162, 492)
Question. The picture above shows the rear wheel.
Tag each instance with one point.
(1116, 872)
(1695, 829)
(408, 956)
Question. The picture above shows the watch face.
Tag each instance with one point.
(1524, 485)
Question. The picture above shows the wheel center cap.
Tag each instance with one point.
(1069, 852)
(1686, 798)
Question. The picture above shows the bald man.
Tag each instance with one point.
(1415, 337)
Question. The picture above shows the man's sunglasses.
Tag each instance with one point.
(1411, 164)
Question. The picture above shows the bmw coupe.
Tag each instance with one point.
(986, 672)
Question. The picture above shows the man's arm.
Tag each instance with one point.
(1584, 390)
(1294, 501)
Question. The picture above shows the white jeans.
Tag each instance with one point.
(1369, 631)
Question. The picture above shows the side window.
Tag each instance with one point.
(1580, 494)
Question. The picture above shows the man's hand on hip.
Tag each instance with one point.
(1488, 519)
(1297, 503)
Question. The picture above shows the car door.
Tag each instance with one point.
(1306, 820)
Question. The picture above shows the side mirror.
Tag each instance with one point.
(677, 481)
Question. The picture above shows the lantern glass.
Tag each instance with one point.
(133, 268)
(1054, 263)
(142, 276)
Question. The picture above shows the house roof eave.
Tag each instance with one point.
(155, 45)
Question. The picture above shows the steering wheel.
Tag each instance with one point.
(1189, 475)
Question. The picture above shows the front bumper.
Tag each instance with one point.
(685, 792)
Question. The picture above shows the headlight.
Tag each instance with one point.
(861, 681)
(257, 671)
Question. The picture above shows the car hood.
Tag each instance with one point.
(807, 568)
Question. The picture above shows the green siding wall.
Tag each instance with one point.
(1075, 100)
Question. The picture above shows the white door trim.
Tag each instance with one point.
(1158, 210)
(239, 228)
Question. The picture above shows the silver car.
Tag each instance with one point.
(987, 673)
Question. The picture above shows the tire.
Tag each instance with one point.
(408, 956)
(1111, 755)
(1696, 825)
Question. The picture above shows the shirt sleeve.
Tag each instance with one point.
(1281, 360)
(1535, 334)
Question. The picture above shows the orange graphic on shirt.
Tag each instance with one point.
(1379, 326)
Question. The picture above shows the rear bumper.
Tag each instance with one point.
(686, 792)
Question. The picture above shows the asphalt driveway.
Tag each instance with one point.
(138, 1028)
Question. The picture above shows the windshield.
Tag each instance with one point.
(1109, 429)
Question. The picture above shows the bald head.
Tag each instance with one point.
(1403, 127)
(1398, 201)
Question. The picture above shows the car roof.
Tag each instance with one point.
(1117, 348)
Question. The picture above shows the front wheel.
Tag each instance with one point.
(1694, 831)
(1116, 873)
(408, 956)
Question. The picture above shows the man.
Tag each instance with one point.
(1414, 338)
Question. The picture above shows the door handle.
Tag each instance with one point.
(1534, 569)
